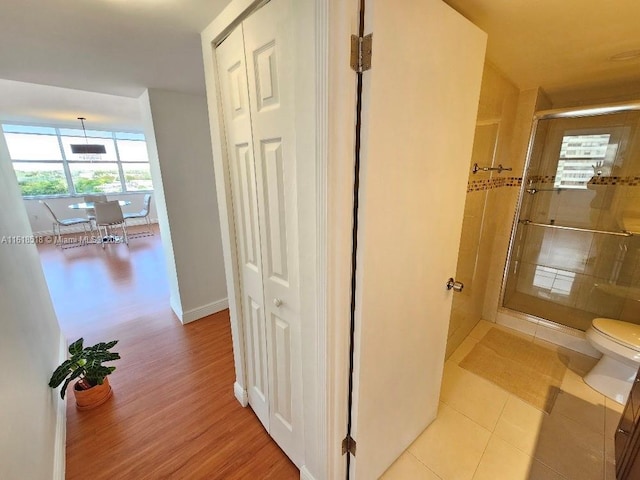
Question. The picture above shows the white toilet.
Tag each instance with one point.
(619, 343)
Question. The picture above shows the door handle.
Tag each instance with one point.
(456, 286)
(277, 302)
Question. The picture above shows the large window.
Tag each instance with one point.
(44, 164)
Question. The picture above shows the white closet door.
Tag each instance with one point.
(269, 53)
(232, 75)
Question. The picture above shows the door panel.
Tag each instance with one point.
(420, 101)
(237, 120)
(276, 233)
(269, 50)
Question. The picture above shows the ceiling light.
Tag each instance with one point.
(87, 148)
(630, 55)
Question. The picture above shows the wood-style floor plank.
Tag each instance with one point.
(173, 414)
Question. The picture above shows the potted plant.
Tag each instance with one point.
(85, 366)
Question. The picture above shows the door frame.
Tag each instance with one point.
(325, 136)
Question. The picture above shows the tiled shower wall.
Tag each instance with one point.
(502, 135)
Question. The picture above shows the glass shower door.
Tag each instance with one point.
(576, 250)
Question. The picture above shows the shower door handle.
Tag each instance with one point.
(456, 286)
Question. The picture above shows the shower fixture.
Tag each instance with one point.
(499, 168)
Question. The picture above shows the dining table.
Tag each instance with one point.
(109, 237)
(90, 205)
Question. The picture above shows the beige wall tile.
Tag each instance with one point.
(496, 114)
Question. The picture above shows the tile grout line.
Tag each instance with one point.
(423, 464)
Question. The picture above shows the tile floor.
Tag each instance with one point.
(483, 432)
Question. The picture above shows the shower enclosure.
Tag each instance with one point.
(575, 250)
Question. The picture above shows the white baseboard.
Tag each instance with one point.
(59, 454)
(203, 311)
(305, 474)
(241, 394)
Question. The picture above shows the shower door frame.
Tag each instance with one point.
(572, 112)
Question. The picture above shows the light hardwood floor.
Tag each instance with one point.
(173, 414)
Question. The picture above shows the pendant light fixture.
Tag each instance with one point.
(87, 148)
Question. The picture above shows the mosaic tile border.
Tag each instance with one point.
(492, 183)
(498, 182)
(595, 180)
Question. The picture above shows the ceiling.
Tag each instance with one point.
(563, 46)
(121, 47)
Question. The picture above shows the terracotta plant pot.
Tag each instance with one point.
(93, 397)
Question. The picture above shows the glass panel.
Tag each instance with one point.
(41, 178)
(132, 151)
(33, 147)
(28, 129)
(137, 176)
(129, 136)
(95, 177)
(73, 132)
(584, 172)
(108, 143)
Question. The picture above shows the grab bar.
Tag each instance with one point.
(533, 191)
(499, 168)
(623, 233)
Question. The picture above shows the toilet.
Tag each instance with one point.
(619, 343)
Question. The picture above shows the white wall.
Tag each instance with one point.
(31, 417)
(41, 221)
(176, 128)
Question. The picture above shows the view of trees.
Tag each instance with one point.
(42, 182)
(45, 164)
(53, 182)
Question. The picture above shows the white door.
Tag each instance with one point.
(257, 87)
(269, 52)
(420, 101)
(232, 74)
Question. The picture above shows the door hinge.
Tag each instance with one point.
(349, 445)
(361, 52)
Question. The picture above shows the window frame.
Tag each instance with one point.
(65, 162)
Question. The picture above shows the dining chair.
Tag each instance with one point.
(109, 215)
(91, 212)
(66, 222)
(144, 213)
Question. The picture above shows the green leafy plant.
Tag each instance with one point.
(85, 365)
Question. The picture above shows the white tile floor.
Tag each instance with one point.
(483, 432)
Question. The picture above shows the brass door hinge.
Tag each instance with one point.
(349, 445)
(361, 48)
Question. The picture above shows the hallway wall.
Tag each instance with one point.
(176, 127)
(31, 414)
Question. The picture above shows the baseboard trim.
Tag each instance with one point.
(241, 394)
(176, 307)
(59, 455)
(203, 311)
(305, 474)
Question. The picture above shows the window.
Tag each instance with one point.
(45, 165)
(580, 156)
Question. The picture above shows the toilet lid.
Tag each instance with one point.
(623, 332)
